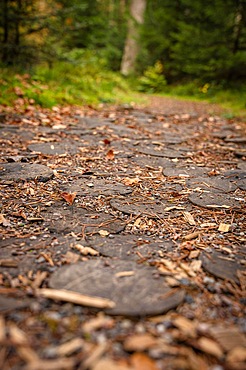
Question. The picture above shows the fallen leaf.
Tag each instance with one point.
(131, 181)
(194, 254)
(110, 155)
(140, 361)
(71, 257)
(69, 197)
(4, 221)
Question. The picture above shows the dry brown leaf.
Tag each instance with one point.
(69, 197)
(110, 155)
(140, 342)
(194, 254)
(128, 181)
(74, 297)
(210, 346)
(71, 257)
(172, 282)
(140, 361)
(4, 221)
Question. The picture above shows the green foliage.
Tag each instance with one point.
(232, 98)
(153, 79)
(196, 39)
(85, 82)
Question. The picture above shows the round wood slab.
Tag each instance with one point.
(133, 288)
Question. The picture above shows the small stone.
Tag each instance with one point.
(40, 260)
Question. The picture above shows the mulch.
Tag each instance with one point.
(122, 237)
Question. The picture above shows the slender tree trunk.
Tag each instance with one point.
(5, 31)
(131, 50)
(238, 26)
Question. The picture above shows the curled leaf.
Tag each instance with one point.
(110, 155)
(69, 197)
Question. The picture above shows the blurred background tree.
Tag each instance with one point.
(203, 40)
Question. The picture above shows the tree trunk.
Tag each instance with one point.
(137, 8)
(5, 31)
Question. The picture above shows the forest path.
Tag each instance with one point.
(170, 105)
(123, 238)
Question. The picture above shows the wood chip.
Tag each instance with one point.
(94, 358)
(85, 251)
(39, 278)
(60, 363)
(2, 329)
(68, 348)
(237, 354)
(210, 346)
(8, 263)
(108, 364)
(140, 342)
(228, 337)
(140, 361)
(189, 218)
(76, 298)
(191, 236)
(186, 326)
(124, 273)
(17, 336)
(194, 254)
(101, 321)
(224, 227)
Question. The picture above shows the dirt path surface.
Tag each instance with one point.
(122, 238)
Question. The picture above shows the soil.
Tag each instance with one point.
(122, 237)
